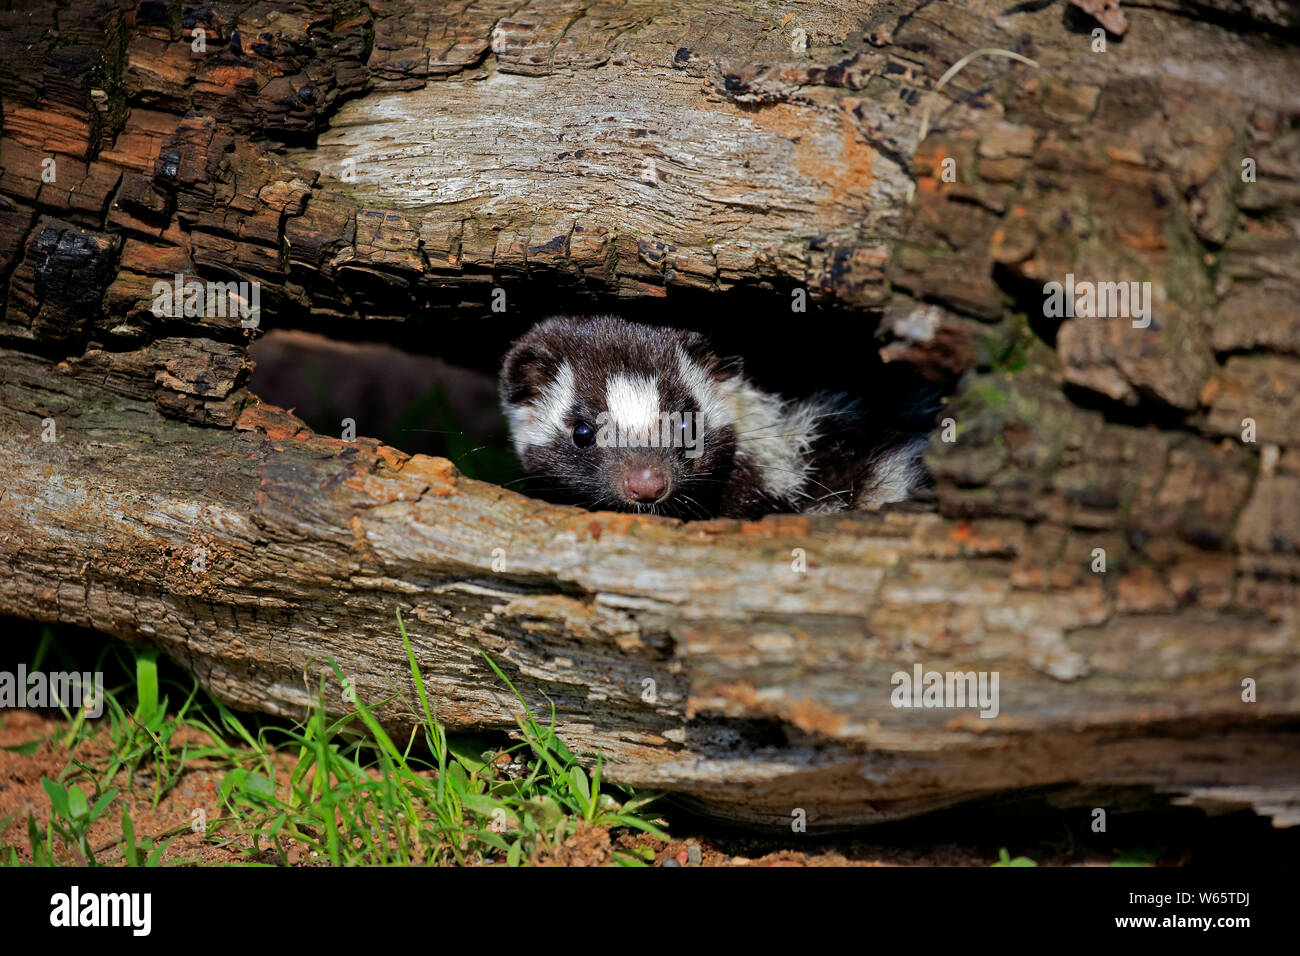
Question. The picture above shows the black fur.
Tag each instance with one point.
(727, 479)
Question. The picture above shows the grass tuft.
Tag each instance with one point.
(324, 791)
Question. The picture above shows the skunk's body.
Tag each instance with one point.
(593, 402)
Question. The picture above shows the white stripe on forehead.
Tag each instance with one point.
(539, 422)
(633, 401)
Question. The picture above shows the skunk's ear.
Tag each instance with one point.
(698, 350)
(526, 370)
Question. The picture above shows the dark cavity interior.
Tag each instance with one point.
(428, 385)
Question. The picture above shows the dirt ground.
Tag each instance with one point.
(938, 840)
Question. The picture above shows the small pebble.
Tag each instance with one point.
(693, 854)
(670, 862)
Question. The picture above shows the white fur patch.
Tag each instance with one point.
(775, 436)
(633, 402)
(896, 474)
(540, 421)
(704, 389)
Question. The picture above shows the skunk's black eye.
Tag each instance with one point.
(583, 435)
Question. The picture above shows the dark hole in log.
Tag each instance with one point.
(417, 403)
(785, 351)
(430, 386)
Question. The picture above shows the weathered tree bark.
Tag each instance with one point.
(400, 160)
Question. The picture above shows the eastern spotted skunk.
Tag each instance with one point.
(607, 413)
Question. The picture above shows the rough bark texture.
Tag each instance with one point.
(401, 160)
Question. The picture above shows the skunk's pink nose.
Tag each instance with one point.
(645, 484)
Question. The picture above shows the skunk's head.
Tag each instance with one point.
(608, 413)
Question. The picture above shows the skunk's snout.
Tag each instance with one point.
(644, 484)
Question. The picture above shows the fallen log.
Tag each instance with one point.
(698, 657)
(1108, 535)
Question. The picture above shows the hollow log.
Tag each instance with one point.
(1115, 525)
